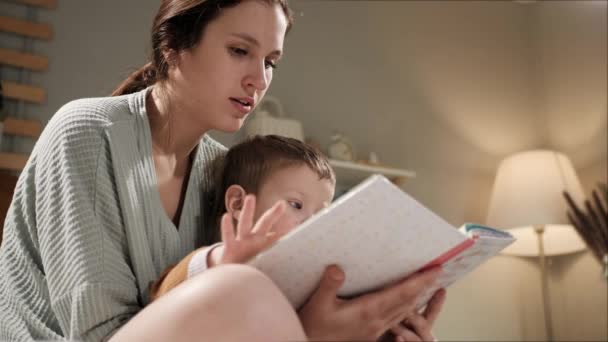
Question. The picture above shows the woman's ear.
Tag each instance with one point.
(234, 198)
(171, 57)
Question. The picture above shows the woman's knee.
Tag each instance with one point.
(232, 275)
(239, 293)
(225, 278)
(230, 303)
(229, 285)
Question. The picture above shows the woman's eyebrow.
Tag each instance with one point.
(250, 39)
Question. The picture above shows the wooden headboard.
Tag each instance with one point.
(14, 120)
(13, 162)
(7, 186)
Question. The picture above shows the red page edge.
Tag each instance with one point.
(443, 258)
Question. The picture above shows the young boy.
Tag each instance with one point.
(267, 185)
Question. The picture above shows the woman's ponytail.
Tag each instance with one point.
(139, 80)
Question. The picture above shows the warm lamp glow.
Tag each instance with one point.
(527, 199)
(527, 193)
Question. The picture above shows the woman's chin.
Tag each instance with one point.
(231, 128)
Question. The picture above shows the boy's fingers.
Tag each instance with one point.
(227, 229)
(246, 217)
(275, 234)
(269, 218)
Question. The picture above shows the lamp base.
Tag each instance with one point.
(540, 234)
(605, 266)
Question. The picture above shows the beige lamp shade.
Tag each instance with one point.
(528, 192)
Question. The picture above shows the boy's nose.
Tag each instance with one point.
(305, 217)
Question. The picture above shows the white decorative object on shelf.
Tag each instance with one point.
(341, 148)
(269, 118)
(373, 158)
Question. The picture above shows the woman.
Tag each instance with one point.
(111, 196)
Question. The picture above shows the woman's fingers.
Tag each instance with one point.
(421, 326)
(246, 217)
(434, 306)
(269, 218)
(324, 317)
(401, 297)
(331, 281)
(403, 334)
(397, 302)
(415, 328)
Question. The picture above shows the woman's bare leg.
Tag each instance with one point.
(226, 303)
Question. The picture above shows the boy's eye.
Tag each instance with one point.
(295, 205)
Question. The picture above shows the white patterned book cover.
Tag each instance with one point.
(378, 234)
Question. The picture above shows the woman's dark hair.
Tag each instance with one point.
(179, 25)
(250, 163)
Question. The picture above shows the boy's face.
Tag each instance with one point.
(301, 188)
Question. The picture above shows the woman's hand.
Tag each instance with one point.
(418, 326)
(248, 240)
(365, 318)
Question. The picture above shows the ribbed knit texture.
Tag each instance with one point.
(86, 232)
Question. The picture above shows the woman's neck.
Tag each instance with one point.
(171, 135)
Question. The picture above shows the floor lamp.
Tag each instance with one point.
(527, 200)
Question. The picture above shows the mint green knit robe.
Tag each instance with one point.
(86, 232)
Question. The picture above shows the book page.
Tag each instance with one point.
(377, 233)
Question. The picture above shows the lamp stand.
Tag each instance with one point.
(540, 229)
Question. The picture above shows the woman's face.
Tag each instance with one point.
(220, 80)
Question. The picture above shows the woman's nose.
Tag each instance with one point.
(257, 77)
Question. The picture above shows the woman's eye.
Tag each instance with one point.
(270, 64)
(295, 205)
(238, 51)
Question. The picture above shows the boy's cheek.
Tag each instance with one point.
(287, 223)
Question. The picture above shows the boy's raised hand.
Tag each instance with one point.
(249, 239)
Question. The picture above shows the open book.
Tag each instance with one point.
(378, 234)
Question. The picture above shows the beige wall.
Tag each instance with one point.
(446, 89)
(395, 77)
(570, 64)
(570, 61)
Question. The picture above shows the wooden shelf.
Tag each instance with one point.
(25, 128)
(13, 161)
(48, 4)
(23, 60)
(26, 28)
(350, 173)
(24, 92)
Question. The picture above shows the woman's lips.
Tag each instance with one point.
(242, 108)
